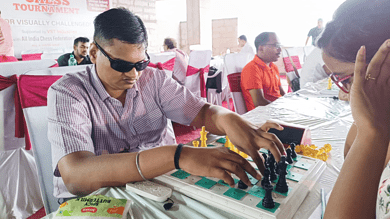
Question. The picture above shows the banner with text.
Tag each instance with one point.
(42, 25)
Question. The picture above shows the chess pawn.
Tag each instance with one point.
(281, 185)
(266, 178)
(268, 202)
(294, 153)
(242, 185)
(289, 154)
(195, 143)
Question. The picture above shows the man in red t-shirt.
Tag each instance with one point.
(260, 80)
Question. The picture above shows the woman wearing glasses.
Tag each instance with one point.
(356, 49)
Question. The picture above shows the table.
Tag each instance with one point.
(313, 106)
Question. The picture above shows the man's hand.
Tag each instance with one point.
(246, 136)
(217, 162)
(250, 138)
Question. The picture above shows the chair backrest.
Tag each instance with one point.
(294, 54)
(197, 59)
(234, 63)
(8, 141)
(53, 56)
(162, 58)
(37, 122)
(235, 87)
(33, 54)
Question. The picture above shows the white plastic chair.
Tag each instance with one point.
(162, 58)
(33, 54)
(37, 122)
(292, 55)
(8, 141)
(234, 63)
(198, 59)
(54, 56)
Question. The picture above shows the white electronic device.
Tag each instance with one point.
(151, 190)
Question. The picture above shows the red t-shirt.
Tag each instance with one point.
(257, 75)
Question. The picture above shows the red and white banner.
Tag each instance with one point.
(50, 24)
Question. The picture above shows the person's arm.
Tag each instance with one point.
(307, 40)
(355, 192)
(258, 97)
(350, 139)
(246, 136)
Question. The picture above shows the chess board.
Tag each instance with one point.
(302, 175)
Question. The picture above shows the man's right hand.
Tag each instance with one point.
(216, 162)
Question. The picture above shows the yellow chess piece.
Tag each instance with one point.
(306, 152)
(203, 137)
(329, 84)
(327, 148)
(195, 143)
(324, 157)
(227, 143)
(243, 154)
(234, 148)
(298, 148)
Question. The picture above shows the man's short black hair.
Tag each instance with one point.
(170, 43)
(356, 23)
(243, 37)
(80, 39)
(120, 24)
(262, 39)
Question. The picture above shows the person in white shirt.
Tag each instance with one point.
(314, 68)
(246, 48)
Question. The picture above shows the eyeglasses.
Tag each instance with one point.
(341, 82)
(276, 45)
(125, 66)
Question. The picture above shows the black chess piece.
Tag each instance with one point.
(268, 202)
(281, 185)
(265, 160)
(288, 158)
(293, 154)
(266, 179)
(271, 165)
(242, 185)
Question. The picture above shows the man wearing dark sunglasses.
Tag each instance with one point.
(119, 105)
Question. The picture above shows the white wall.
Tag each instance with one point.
(169, 13)
(290, 19)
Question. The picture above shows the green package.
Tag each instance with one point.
(94, 206)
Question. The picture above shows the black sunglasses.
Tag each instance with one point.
(125, 66)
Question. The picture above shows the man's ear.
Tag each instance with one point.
(260, 49)
(93, 53)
